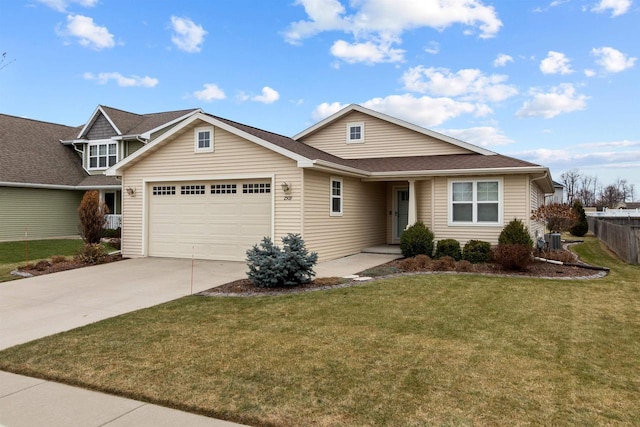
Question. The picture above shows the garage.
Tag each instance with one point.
(208, 219)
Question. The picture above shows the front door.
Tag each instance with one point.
(110, 201)
(401, 212)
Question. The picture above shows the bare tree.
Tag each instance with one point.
(632, 192)
(610, 196)
(586, 193)
(570, 180)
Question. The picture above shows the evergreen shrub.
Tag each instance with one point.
(416, 240)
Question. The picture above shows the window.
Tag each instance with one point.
(256, 188)
(203, 139)
(223, 189)
(336, 197)
(102, 156)
(355, 133)
(192, 189)
(475, 202)
(164, 190)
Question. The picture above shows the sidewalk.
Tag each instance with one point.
(29, 402)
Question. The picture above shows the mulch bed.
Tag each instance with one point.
(47, 267)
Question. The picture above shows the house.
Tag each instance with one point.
(45, 168)
(558, 194)
(211, 188)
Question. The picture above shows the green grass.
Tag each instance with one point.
(15, 254)
(408, 351)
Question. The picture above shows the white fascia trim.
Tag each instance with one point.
(381, 116)
(92, 118)
(381, 176)
(116, 170)
(333, 167)
(59, 187)
(74, 141)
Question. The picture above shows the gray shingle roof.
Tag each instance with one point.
(31, 152)
(136, 124)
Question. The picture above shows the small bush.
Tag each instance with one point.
(423, 261)
(271, 266)
(57, 259)
(112, 233)
(581, 227)
(416, 240)
(515, 233)
(92, 217)
(91, 253)
(464, 266)
(446, 263)
(513, 256)
(42, 265)
(115, 243)
(449, 247)
(477, 251)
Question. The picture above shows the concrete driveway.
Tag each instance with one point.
(43, 305)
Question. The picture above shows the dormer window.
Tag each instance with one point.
(103, 155)
(203, 139)
(355, 133)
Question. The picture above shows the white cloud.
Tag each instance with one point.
(88, 33)
(555, 63)
(188, 35)
(61, 5)
(382, 22)
(268, 96)
(432, 48)
(326, 109)
(502, 60)
(617, 7)
(612, 60)
(469, 84)
(560, 99)
(484, 136)
(610, 144)
(589, 72)
(123, 81)
(368, 52)
(210, 92)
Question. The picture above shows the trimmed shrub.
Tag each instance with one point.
(581, 227)
(449, 247)
(416, 240)
(42, 265)
(91, 253)
(57, 259)
(112, 233)
(513, 256)
(477, 251)
(515, 233)
(464, 266)
(446, 263)
(92, 217)
(416, 263)
(270, 266)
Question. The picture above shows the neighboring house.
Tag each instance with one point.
(558, 194)
(45, 168)
(210, 187)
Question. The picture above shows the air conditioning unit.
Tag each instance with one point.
(554, 241)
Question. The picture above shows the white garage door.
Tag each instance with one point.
(209, 219)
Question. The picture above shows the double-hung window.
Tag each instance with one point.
(336, 197)
(476, 202)
(103, 155)
(203, 139)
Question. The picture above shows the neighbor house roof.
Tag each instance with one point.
(31, 153)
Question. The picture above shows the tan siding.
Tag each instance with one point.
(44, 213)
(423, 202)
(382, 139)
(232, 156)
(537, 199)
(362, 224)
(515, 205)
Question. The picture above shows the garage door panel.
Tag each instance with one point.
(207, 226)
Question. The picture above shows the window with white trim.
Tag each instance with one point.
(103, 155)
(203, 139)
(476, 202)
(355, 133)
(336, 197)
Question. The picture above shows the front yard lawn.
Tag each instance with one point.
(407, 351)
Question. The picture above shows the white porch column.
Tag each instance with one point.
(413, 206)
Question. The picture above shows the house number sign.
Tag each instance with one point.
(288, 197)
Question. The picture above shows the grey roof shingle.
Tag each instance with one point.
(136, 124)
(31, 152)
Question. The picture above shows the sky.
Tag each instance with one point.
(556, 83)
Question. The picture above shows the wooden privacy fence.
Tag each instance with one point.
(621, 235)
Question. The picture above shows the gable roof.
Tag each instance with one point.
(127, 123)
(355, 107)
(31, 153)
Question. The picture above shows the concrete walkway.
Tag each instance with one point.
(40, 306)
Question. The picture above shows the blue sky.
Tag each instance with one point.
(553, 82)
